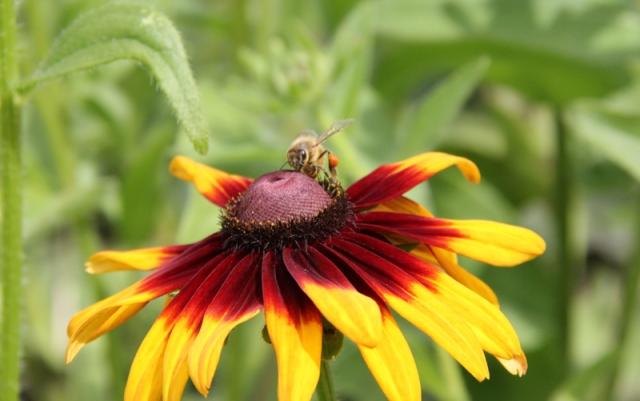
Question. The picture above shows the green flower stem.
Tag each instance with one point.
(237, 346)
(325, 390)
(10, 207)
(566, 267)
(631, 282)
(452, 376)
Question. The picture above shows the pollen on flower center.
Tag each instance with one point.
(284, 208)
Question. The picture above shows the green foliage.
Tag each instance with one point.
(119, 31)
(440, 107)
(494, 80)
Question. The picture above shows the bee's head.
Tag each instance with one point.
(297, 157)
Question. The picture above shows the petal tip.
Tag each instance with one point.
(516, 365)
(180, 166)
(72, 350)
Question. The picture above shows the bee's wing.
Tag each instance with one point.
(335, 128)
(307, 134)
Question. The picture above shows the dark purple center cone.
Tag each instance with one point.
(284, 209)
(282, 195)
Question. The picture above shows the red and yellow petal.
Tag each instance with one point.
(217, 186)
(392, 180)
(421, 306)
(206, 349)
(235, 302)
(140, 259)
(149, 371)
(423, 282)
(448, 264)
(352, 313)
(438, 256)
(392, 363)
(487, 241)
(97, 319)
(295, 329)
(187, 326)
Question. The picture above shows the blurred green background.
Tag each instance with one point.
(544, 95)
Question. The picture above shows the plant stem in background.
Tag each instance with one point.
(566, 267)
(325, 390)
(631, 283)
(451, 376)
(10, 204)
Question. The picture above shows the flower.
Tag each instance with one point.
(302, 250)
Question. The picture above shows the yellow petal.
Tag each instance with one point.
(428, 313)
(145, 378)
(94, 321)
(175, 372)
(392, 364)
(444, 260)
(491, 327)
(352, 313)
(205, 350)
(139, 259)
(298, 348)
(494, 243)
(217, 186)
(516, 365)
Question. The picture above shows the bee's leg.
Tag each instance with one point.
(332, 162)
(332, 180)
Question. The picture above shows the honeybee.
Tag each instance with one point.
(307, 155)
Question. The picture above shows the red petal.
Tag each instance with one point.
(235, 302)
(178, 270)
(392, 180)
(187, 326)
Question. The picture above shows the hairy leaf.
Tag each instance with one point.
(119, 31)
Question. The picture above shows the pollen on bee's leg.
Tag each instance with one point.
(333, 161)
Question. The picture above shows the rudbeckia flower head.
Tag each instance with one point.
(303, 250)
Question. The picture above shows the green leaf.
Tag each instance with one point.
(141, 193)
(440, 108)
(69, 205)
(618, 144)
(556, 58)
(353, 47)
(588, 383)
(119, 31)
